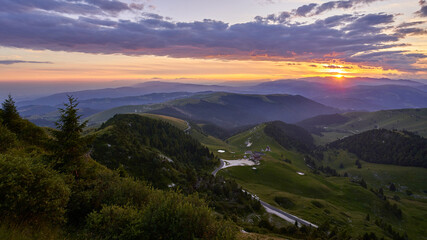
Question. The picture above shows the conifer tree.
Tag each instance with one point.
(10, 114)
(69, 145)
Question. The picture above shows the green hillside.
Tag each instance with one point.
(52, 189)
(331, 127)
(320, 196)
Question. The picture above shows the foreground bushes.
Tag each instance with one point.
(101, 205)
(167, 216)
(31, 192)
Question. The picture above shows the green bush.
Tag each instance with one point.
(99, 186)
(284, 202)
(115, 222)
(168, 215)
(174, 216)
(7, 138)
(31, 192)
(317, 204)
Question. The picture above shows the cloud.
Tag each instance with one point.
(332, 66)
(313, 9)
(10, 62)
(344, 37)
(305, 9)
(80, 7)
(423, 11)
(391, 59)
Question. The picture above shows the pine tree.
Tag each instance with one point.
(10, 114)
(69, 145)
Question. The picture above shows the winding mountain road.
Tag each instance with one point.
(273, 210)
(187, 130)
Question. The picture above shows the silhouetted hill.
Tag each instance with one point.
(45, 115)
(358, 93)
(137, 90)
(229, 110)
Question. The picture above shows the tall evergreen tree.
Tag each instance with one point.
(10, 114)
(69, 145)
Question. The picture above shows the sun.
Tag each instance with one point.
(339, 76)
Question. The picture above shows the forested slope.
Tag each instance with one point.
(386, 147)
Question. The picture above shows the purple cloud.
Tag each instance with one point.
(305, 9)
(311, 10)
(10, 62)
(343, 37)
(80, 7)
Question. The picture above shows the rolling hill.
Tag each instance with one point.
(356, 94)
(229, 110)
(370, 95)
(328, 128)
(46, 115)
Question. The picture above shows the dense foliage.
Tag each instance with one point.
(290, 136)
(166, 157)
(31, 192)
(96, 203)
(147, 147)
(386, 147)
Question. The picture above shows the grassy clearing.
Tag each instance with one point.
(414, 120)
(179, 123)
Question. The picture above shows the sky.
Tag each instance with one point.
(210, 41)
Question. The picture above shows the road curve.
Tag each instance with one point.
(286, 216)
(273, 210)
(187, 130)
(218, 168)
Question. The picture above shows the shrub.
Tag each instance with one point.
(115, 222)
(174, 216)
(284, 202)
(168, 215)
(31, 192)
(317, 204)
(7, 138)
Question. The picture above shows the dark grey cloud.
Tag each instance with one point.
(423, 11)
(10, 62)
(305, 9)
(312, 9)
(410, 24)
(80, 7)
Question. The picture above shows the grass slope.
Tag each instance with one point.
(414, 120)
(318, 198)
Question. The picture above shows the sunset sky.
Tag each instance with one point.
(209, 41)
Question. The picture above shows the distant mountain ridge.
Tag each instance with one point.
(352, 93)
(230, 110)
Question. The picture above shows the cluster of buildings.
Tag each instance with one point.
(256, 156)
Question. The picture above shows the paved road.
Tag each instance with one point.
(273, 210)
(286, 216)
(187, 130)
(218, 168)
